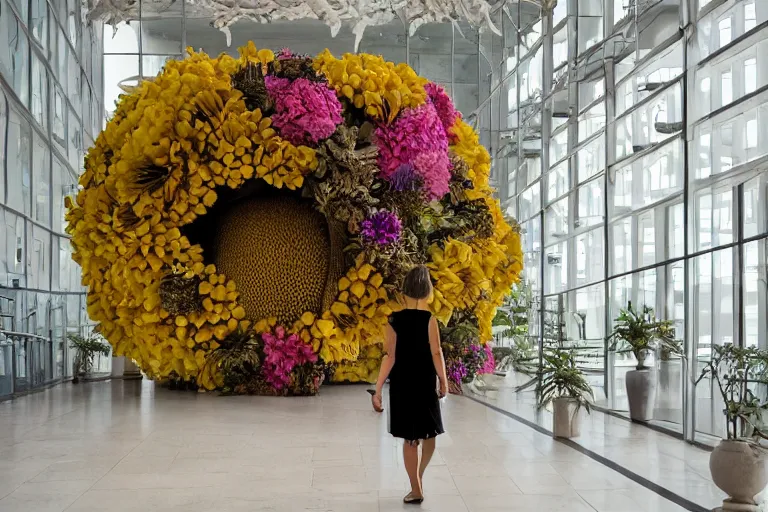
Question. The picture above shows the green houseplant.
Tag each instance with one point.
(737, 464)
(563, 385)
(640, 332)
(86, 348)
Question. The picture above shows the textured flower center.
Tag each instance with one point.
(277, 251)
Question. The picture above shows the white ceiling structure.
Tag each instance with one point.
(358, 14)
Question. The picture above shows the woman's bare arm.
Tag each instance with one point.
(437, 354)
(390, 338)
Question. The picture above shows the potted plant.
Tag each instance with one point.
(737, 464)
(670, 367)
(562, 384)
(86, 348)
(641, 333)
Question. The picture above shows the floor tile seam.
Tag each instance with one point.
(102, 476)
(453, 479)
(648, 484)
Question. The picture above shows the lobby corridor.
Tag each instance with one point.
(128, 446)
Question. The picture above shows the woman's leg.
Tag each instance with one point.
(411, 460)
(427, 450)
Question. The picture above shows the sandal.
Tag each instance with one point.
(410, 499)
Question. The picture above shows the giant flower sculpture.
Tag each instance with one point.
(245, 223)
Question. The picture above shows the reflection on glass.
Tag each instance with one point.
(589, 258)
(675, 231)
(714, 218)
(621, 243)
(117, 68)
(755, 220)
(591, 159)
(590, 204)
(556, 268)
(41, 164)
(755, 294)
(19, 163)
(647, 180)
(15, 57)
(557, 181)
(556, 219)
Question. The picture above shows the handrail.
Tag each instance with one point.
(23, 334)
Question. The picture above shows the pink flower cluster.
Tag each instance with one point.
(306, 112)
(285, 54)
(489, 366)
(416, 138)
(283, 353)
(443, 105)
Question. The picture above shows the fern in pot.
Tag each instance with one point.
(738, 463)
(639, 332)
(563, 385)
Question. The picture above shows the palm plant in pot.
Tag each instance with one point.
(563, 385)
(737, 464)
(641, 333)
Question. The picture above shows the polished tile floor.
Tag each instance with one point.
(127, 446)
(662, 459)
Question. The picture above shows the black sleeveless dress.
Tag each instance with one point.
(414, 406)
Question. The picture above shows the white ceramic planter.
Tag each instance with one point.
(739, 469)
(641, 394)
(567, 418)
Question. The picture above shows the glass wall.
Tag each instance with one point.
(51, 109)
(636, 167)
(449, 54)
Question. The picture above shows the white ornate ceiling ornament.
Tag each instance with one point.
(357, 13)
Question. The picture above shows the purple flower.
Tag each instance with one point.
(381, 228)
(456, 371)
(306, 112)
(404, 178)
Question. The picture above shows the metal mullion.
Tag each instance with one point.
(141, 43)
(556, 132)
(714, 4)
(592, 105)
(660, 245)
(63, 28)
(670, 200)
(529, 55)
(649, 99)
(650, 56)
(586, 142)
(46, 63)
(49, 109)
(732, 106)
(5, 144)
(184, 33)
(630, 159)
(737, 257)
(732, 47)
(572, 130)
(610, 141)
(689, 341)
(26, 217)
(575, 233)
(574, 289)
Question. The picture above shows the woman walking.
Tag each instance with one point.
(414, 363)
